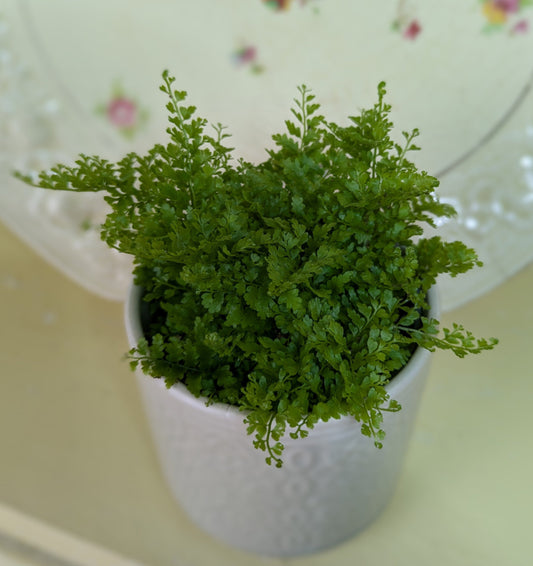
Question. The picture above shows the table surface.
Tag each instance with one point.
(76, 453)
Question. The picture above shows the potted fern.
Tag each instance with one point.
(287, 310)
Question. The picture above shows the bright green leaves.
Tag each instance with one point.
(279, 268)
(446, 257)
(292, 300)
(213, 302)
(337, 332)
(459, 340)
(258, 299)
(305, 110)
(294, 289)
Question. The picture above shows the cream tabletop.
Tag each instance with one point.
(77, 456)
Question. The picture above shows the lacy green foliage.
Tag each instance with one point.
(295, 288)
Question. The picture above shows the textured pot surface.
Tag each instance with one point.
(332, 484)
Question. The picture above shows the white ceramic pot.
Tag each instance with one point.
(332, 484)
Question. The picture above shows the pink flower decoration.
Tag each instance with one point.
(521, 27)
(412, 30)
(246, 54)
(278, 4)
(122, 112)
(507, 6)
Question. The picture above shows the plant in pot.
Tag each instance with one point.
(287, 309)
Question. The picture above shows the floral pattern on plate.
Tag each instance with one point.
(123, 112)
(506, 15)
(405, 22)
(246, 56)
(284, 5)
